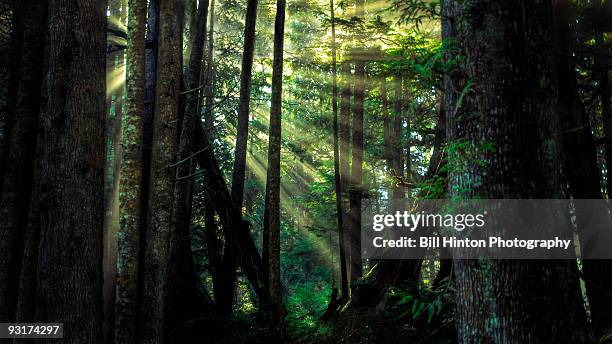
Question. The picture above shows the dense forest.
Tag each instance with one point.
(194, 171)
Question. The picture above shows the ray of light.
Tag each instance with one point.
(115, 79)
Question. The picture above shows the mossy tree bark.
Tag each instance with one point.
(162, 174)
(129, 234)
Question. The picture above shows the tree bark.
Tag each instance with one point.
(274, 176)
(344, 165)
(509, 301)
(163, 173)
(19, 163)
(128, 245)
(244, 102)
(337, 179)
(72, 134)
(356, 185)
(582, 173)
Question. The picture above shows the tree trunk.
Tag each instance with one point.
(128, 245)
(239, 171)
(583, 173)
(337, 180)
(504, 300)
(356, 186)
(344, 132)
(72, 134)
(19, 163)
(274, 176)
(244, 102)
(183, 299)
(162, 175)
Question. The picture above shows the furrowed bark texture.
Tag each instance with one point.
(130, 182)
(163, 173)
(69, 270)
(509, 301)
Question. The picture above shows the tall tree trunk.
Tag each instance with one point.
(229, 261)
(162, 175)
(128, 245)
(583, 173)
(72, 134)
(244, 103)
(19, 163)
(274, 176)
(356, 186)
(183, 298)
(501, 300)
(337, 180)
(344, 133)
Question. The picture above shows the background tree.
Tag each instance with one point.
(132, 132)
